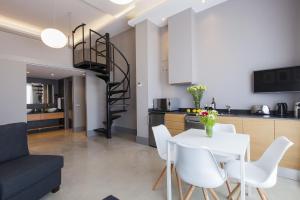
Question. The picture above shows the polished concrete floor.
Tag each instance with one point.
(96, 167)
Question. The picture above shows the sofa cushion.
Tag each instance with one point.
(17, 175)
(13, 141)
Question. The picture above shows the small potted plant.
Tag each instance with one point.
(208, 118)
(197, 92)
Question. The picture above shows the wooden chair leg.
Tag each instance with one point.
(262, 194)
(234, 191)
(239, 196)
(213, 194)
(179, 185)
(158, 181)
(189, 193)
(205, 194)
(228, 186)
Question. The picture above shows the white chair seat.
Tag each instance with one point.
(255, 176)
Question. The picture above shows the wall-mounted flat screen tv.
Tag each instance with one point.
(277, 80)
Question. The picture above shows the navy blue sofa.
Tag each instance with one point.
(24, 176)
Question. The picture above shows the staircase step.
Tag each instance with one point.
(120, 105)
(101, 130)
(111, 84)
(113, 117)
(104, 77)
(117, 91)
(118, 99)
(87, 64)
(117, 111)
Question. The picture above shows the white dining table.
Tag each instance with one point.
(220, 144)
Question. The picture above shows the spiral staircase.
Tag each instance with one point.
(96, 53)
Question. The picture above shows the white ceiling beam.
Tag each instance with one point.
(160, 13)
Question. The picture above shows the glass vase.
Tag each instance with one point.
(197, 104)
(209, 130)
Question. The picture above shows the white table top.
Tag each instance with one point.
(219, 143)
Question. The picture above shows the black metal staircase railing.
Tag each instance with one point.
(111, 65)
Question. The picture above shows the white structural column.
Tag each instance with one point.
(147, 71)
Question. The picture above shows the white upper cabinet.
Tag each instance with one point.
(181, 48)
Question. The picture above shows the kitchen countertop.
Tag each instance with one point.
(234, 113)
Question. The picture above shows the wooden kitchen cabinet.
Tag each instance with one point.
(175, 123)
(261, 133)
(291, 130)
(33, 117)
(236, 121)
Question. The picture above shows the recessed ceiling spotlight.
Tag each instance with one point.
(203, 1)
(28, 72)
(83, 74)
(163, 19)
(52, 74)
(121, 2)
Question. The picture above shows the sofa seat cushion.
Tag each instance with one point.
(17, 175)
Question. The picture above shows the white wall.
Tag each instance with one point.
(147, 70)
(142, 79)
(125, 42)
(15, 53)
(13, 92)
(234, 39)
(32, 51)
(95, 102)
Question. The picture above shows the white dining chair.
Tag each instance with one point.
(262, 173)
(230, 128)
(224, 128)
(222, 159)
(162, 136)
(198, 167)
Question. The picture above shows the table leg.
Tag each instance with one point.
(169, 183)
(249, 189)
(243, 191)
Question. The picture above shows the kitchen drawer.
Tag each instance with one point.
(174, 117)
(236, 121)
(175, 131)
(261, 133)
(291, 130)
(175, 125)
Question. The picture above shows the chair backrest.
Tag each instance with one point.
(270, 159)
(230, 128)
(13, 141)
(198, 167)
(161, 136)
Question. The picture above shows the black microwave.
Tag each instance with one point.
(277, 80)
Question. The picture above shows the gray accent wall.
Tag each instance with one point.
(13, 92)
(234, 39)
(79, 103)
(125, 41)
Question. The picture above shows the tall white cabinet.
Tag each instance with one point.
(182, 60)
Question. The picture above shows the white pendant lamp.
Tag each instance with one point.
(54, 38)
(121, 2)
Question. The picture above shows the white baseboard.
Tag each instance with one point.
(289, 173)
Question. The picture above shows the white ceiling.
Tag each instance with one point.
(30, 17)
(36, 71)
(36, 15)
